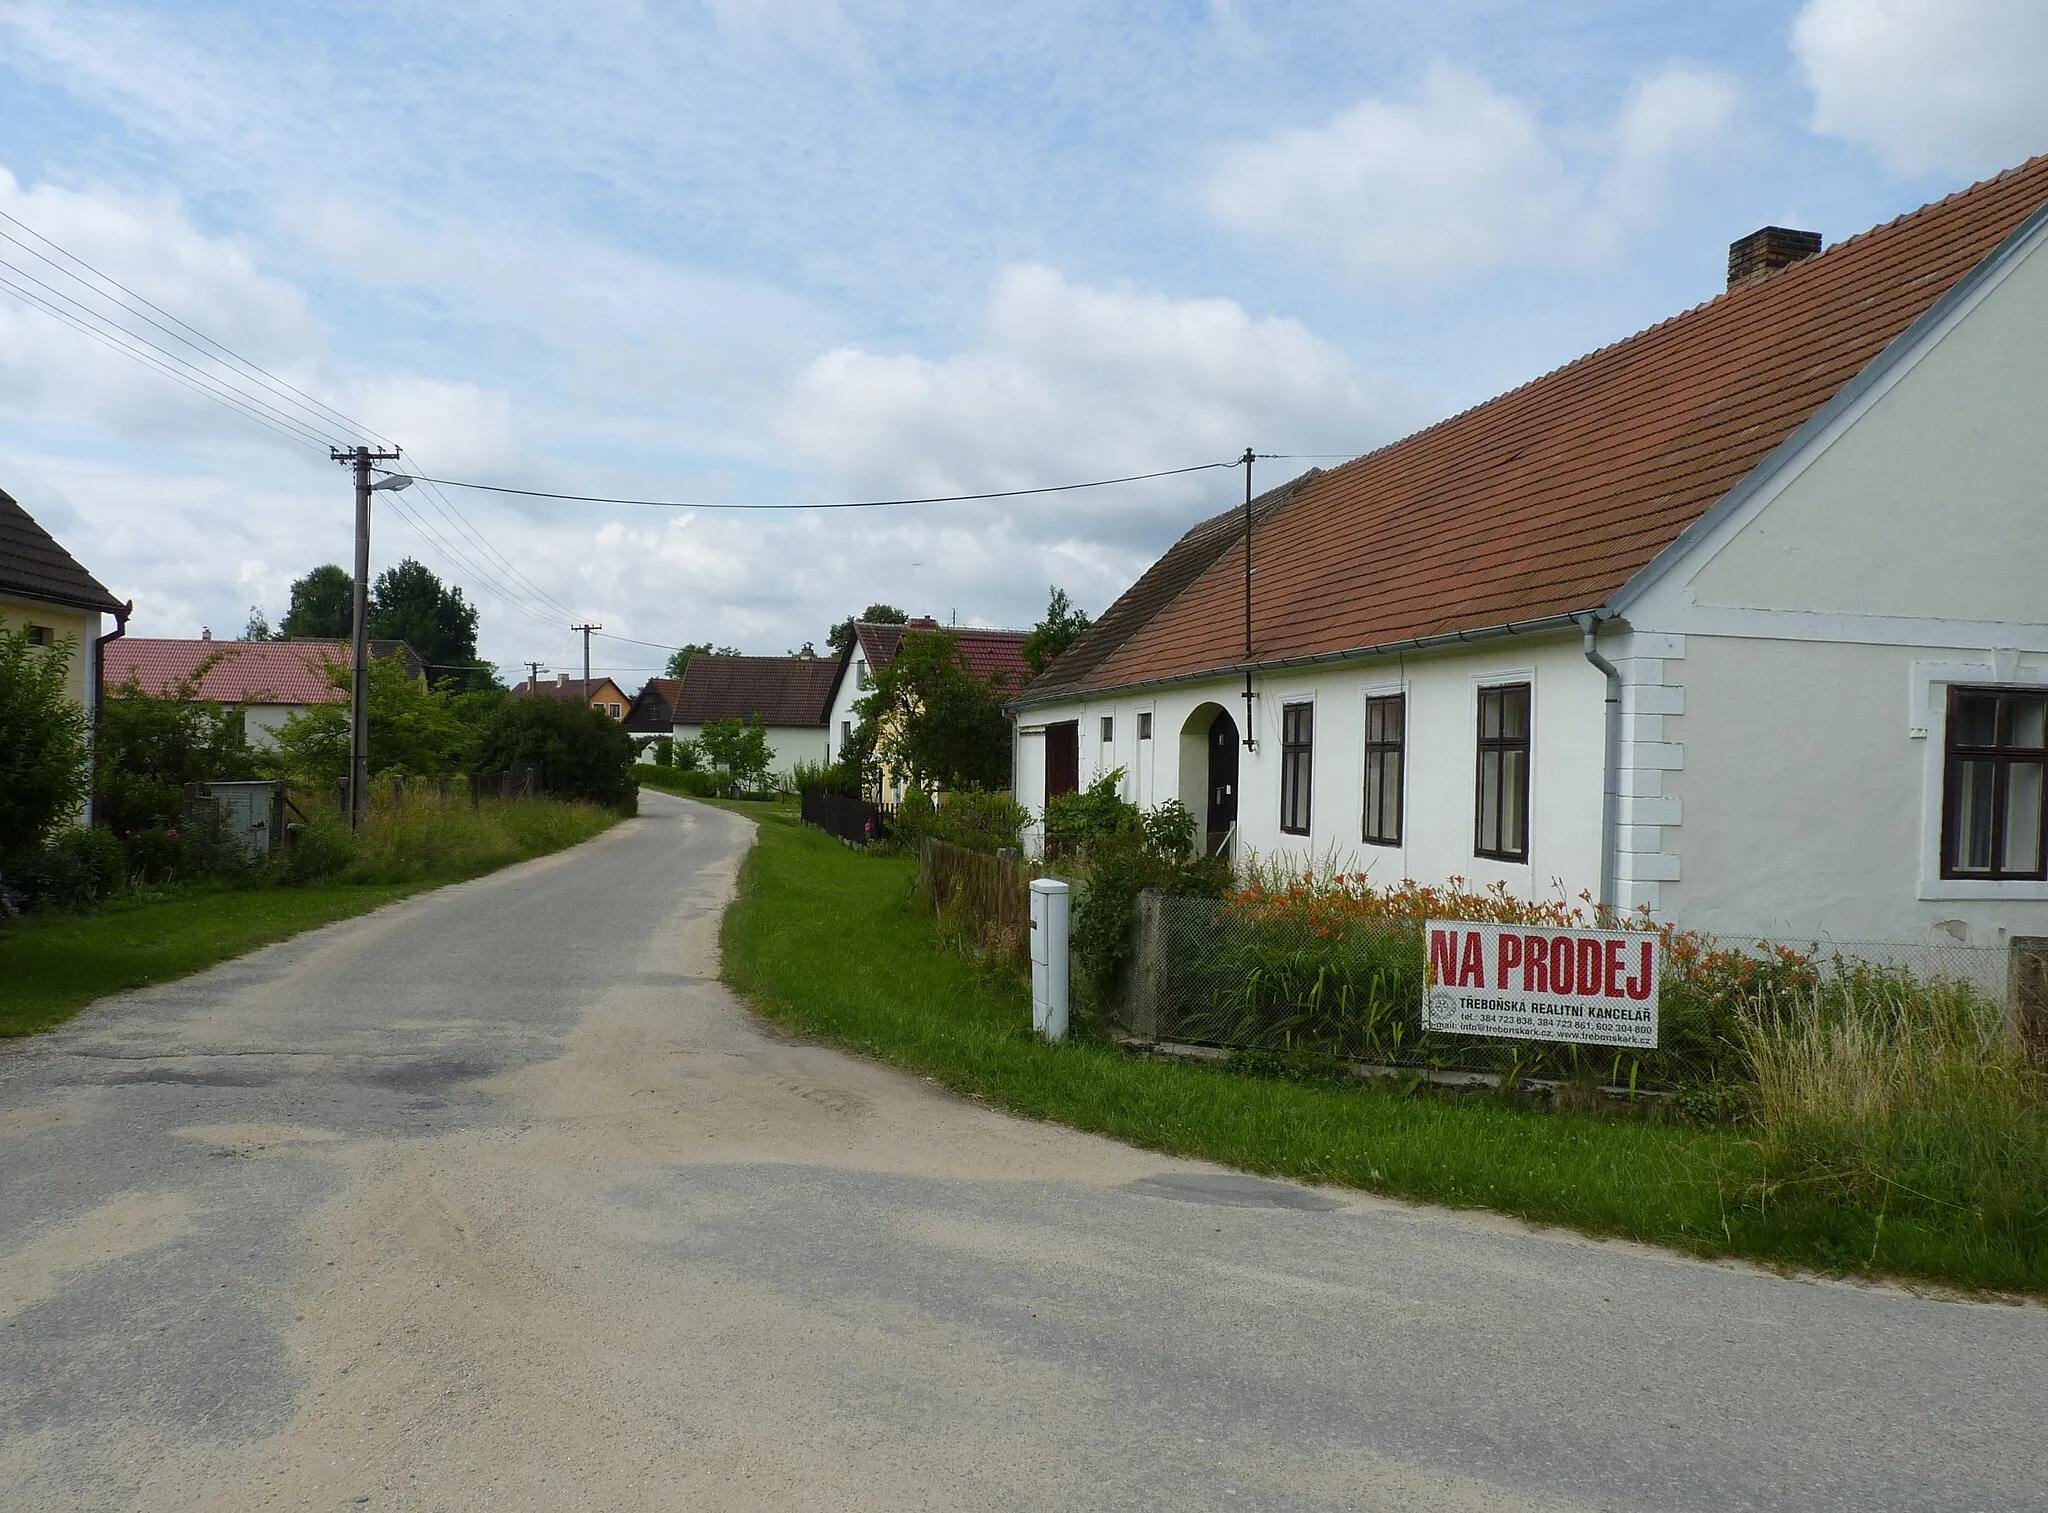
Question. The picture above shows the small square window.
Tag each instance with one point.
(1108, 729)
(39, 635)
(1145, 726)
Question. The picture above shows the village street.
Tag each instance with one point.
(497, 1198)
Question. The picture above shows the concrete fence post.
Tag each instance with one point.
(1148, 966)
(2028, 979)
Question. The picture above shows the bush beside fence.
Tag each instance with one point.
(987, 898)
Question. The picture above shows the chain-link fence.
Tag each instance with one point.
(1204, 972)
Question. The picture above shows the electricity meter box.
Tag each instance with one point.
(1049, 905)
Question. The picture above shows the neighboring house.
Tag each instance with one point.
(45, 589)
(652, 714)
(788, 693)
(268, 681)
(606, 697)
(1798, 533)
(986, 652)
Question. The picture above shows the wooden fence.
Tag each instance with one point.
(988, 896)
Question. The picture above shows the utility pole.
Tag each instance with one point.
(360, 458)
(1249, 743)
(533, 683)
(586, 629)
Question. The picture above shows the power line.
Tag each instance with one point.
(845, 504)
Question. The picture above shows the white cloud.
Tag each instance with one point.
(1954, 85)
(1461, 179)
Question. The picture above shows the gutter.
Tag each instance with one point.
(99, 695)
(1610, 794)
(1279, 664)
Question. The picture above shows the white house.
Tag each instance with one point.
(789, 694)
(1744, 618)
(987, 652)
(268, 681)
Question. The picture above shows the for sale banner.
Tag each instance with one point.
(1597, 987)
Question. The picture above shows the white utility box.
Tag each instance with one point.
(1049, 957)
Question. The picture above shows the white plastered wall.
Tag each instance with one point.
(787, 744)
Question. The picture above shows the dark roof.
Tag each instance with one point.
(1546, 501)
(34, 566)
(1163, 582)
(781, 690)
(565, 686)
(654, 707)
(983, 650)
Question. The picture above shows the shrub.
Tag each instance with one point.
(581, 753)
(1075, 821)
(986, 822)
(147, 748)
(74, 869)
(689, 783)
(740, 747)
(825, 777)
(42, 741)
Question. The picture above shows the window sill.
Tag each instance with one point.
(2015, 891)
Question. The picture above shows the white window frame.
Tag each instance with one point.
(1925, 723)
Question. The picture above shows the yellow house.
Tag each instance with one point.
(44, 588)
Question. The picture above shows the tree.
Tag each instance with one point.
(581, 753)
(42, 739)
(929, 719)
(410, 604)
(741, 749)
(146, 748)
(415, 730)
(840, 637)
(1061, 628)
(258, 627)
(680, 657)
(323, 607)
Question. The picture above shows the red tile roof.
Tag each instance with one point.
(241, 672)
(781, 690)
(1547, 500)
(985, 652)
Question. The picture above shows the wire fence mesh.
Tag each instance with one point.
(1205, 973)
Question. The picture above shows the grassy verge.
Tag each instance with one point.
(53, 965)
(833, 944)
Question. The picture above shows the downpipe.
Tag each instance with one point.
(1610, 782)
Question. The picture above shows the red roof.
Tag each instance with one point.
(783, 691)
(241, 672)
(1546, 501)
(985, 653)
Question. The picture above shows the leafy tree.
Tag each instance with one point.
(581, 753)
(409, 603)
(42, 739)
(840, 637)
(680, 658)
(323, 607)
(1061, 628)
(258, 627)
(148, 747)
(416, 730)
(740, 748)
(929, 719)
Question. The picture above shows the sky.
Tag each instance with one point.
(805, 250)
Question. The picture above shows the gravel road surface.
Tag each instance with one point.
(496, 1198)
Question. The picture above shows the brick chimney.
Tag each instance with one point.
(1760, 254)
(923, 622)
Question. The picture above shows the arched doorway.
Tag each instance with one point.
(1221, 811)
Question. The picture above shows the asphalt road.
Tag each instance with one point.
(496, 1198)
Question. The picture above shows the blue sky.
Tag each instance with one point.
(801, 249)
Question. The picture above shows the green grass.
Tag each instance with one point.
(51, 966)
(834, 944)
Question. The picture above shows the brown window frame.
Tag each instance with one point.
(2002, 756)
(1297, 766)
(1394, 752)
(1502, 747)
(1144, 724)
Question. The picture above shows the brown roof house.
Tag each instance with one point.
(269, 681)
(45, 590)
(603, 695)
(1744, 618)
(992, 653)
(789, 694)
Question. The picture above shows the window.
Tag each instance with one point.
(1992, 823)
(845, 734)
(1386, 720)
(1145, 726)
(1503, 806)
(1108, 729)
(860, 672)
(40, 635)
(1297, 756)
(614, 709)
